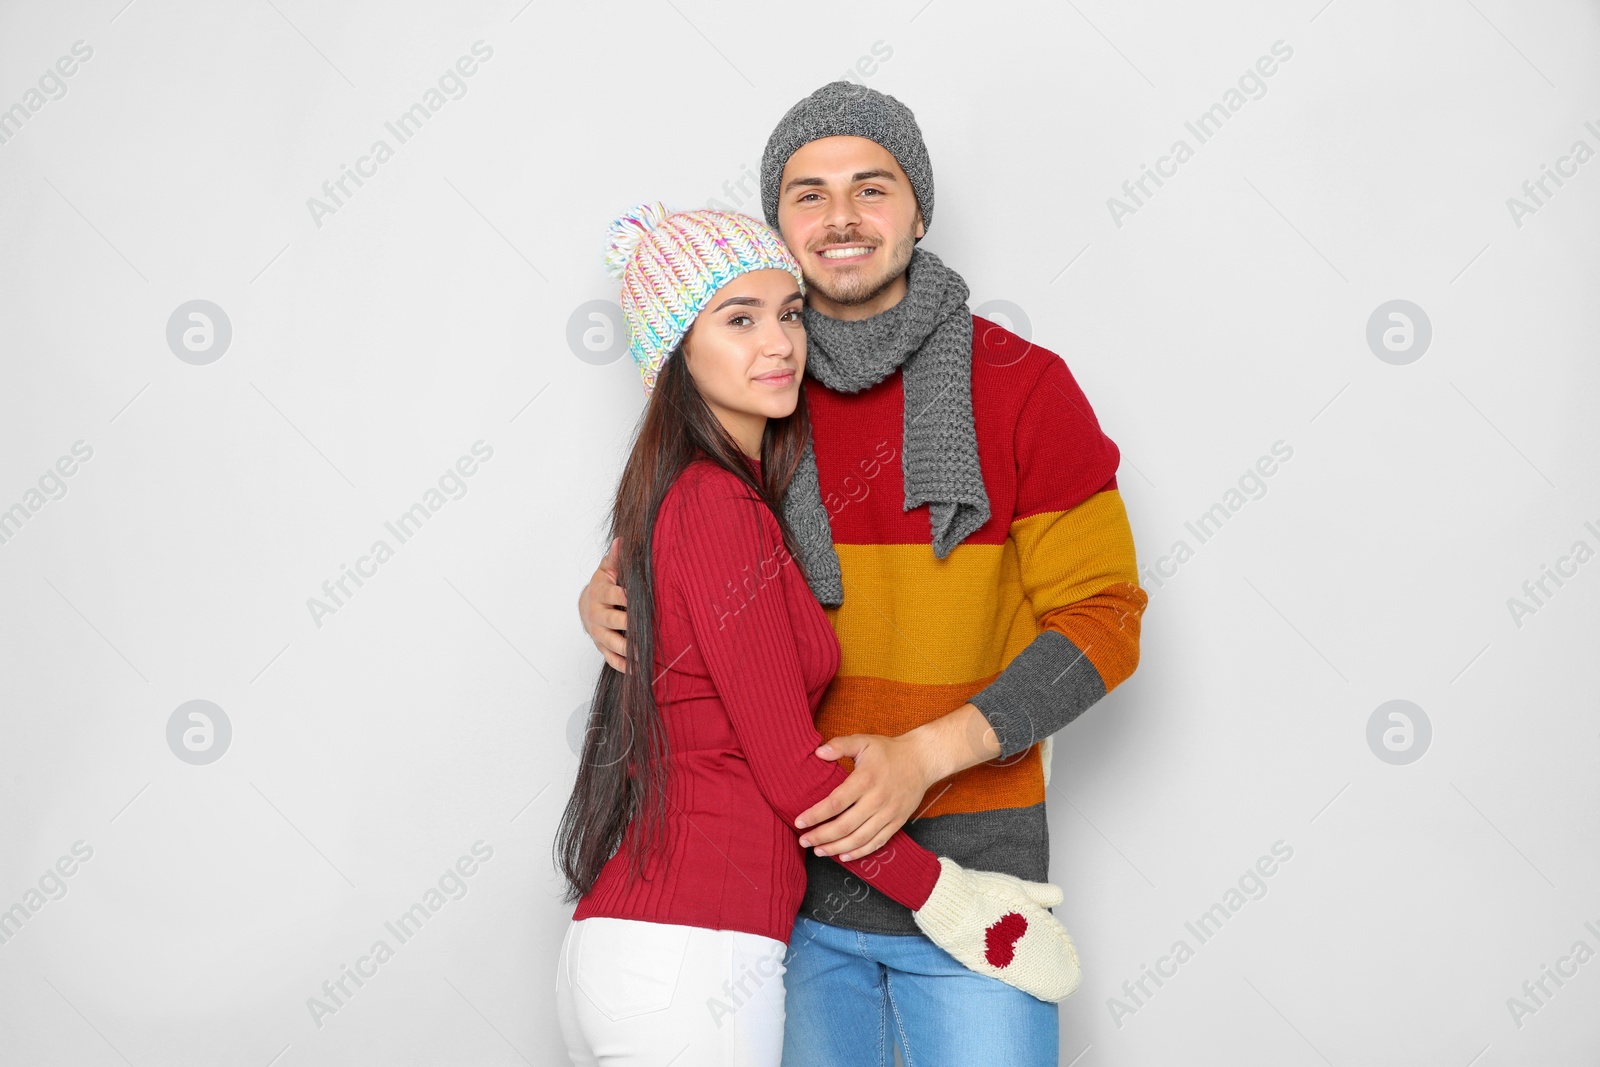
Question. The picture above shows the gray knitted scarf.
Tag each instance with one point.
(930, 332)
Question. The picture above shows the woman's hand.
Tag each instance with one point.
(602, 607)
(1000, 925)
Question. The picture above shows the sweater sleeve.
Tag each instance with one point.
(722, 537)
(1075, 549)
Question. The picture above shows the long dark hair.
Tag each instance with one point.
(621, 789)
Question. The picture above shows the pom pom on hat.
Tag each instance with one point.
(627, 230)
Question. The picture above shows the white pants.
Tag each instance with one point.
(632, 993)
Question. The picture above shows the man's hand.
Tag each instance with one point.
(602, 607)
(882, 792)
(889, 779)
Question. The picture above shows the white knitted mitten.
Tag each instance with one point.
(997, 925)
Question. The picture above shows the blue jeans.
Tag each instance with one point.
(843, 988)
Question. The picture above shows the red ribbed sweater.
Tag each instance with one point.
(743, 655)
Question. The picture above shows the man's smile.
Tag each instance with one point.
(845, 251)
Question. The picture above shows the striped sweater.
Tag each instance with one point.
(1033, 618)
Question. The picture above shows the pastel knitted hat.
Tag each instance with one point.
(672, 264)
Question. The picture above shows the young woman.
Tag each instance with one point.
(678, 841)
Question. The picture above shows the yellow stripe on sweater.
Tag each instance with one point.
(908, 616)
(1081, 551)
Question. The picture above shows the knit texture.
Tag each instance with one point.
(929, 332)
(672, 264)
(999, 926)
(1034, 617)
(743, 654)
(843, 108)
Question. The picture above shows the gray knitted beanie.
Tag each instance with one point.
(843, 108)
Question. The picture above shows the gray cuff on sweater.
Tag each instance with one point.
(1045, 687)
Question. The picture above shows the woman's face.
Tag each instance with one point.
(747, 351)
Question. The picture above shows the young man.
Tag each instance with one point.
(959, 518)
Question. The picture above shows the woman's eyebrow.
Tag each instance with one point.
(749, 301)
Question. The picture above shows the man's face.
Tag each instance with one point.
(847, 212)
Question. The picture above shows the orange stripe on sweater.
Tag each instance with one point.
(1106, 628)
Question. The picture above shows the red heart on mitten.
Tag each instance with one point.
(1000, 940)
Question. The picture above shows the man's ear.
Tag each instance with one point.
(921, 229)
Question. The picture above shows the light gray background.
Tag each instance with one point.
(433, 310)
